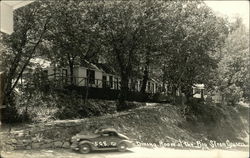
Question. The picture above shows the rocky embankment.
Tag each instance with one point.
(153, 123)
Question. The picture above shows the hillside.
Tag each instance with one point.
(165, 122)
(152, 123)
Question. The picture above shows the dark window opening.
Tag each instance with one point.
(117, 83)
(104, 81)
(45, 75)
(111, 81)
(64, 72)
(140, 85)
(91, 76)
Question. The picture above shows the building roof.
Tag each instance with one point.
(89, 65)
(43, 63)
(6, 13)
(199, 86)
(15, 4)
(103, 67)
(106, 68)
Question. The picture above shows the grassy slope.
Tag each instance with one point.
(166, 122)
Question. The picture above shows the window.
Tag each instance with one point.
(112, 134)
(64, 72)
(105, 134)
(64, 75)
(149, 86)
(133, 85)
(140, 85)
(117, 83)
(91, 76)
(197, 91)
(109, 133)
(45, 75)
(104, 81)
(111, 81)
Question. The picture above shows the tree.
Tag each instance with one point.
(233, 69)
(30, 25)
(129, 29)
(73, 36)
(153, 27)
(195, 34)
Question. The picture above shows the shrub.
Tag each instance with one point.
(10, 115)
(206, 113)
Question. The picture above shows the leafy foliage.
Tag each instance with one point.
(233, 69)
(30, 25)
(194, 35)
(72, 36)
(178, 40)
(128, 28)
(23, 45)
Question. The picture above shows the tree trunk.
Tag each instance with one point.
(173, 93)
(123, 92)
(2, 84)
(145, 73)
(71, 69)
(145, 80)
(188, 91)
(87, 90)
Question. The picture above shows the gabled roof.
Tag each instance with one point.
(103, 67)
(199, 86)
(106, 68)
(15, 4)
(89, 65)
(6, 13)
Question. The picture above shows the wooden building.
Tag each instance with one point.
(97, 76)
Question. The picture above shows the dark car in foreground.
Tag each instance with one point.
(102, 139)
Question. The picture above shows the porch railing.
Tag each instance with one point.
(60, 80)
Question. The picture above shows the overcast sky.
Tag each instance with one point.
(231, 8)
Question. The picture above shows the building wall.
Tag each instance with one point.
(50, 73)
(6, 18)
(81, 74)
(98, 79)
(80, 79)
(115, 80)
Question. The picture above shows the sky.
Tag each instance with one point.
(231, 8)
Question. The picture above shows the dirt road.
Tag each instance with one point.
(137, 152)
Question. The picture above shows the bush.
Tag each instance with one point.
(10, 115)
(219, 122)
(206, 113)
(71, 106)
(159, 97)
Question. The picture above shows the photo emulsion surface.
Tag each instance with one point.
(124, 79)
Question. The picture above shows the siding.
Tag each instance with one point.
(98, 79)
(80, 79)
(81, 74)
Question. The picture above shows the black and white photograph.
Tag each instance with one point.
(124, 79)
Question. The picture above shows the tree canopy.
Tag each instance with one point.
(178, 42)
(233, 68)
